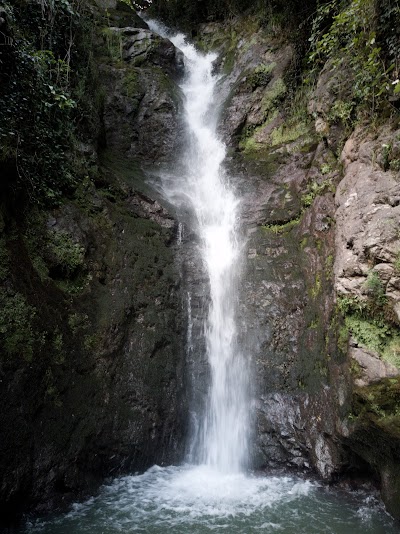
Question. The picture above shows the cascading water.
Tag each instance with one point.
(217, 493)
(223, 434)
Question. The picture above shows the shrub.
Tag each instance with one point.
(46, 61)
(351, 33)
(375, 289)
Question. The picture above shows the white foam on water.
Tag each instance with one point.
(182, 496)
(198, 499)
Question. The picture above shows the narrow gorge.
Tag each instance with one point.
(199, 266)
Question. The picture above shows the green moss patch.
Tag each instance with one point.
(280, 228)
(131, 83)
(366, 322)
(68, 254)
(315, 189)
(249, 144)
(16, 324)
(381, 403)
(287, 133)
(261, 76)
(391, 352)
(273, 95)
(367, 333)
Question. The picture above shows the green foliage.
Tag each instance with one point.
(287, 133)
(261, 76)
(64, 259)
(371, 334)
(386, 152)
(47, 64)
(248, 143)
(343, 339)
(325, 168)
(342, 112)
(351, 305)
(131, 83)
(58, 340)
(279, 228)
(69, 255)
(375, 289)
(389, 157)
(187, 13)
(315, 189)
(130, 2)
(273, 96)
(350, 34)
(78, 322)
(280, 18)
(391, 352)
(329, 266)
(54, 253)
(394, 165)
(303, 243)
(368, 325)
(113, 41)
(388, 32)
(90, 342)
(316, 288)
(355, 369)
(382, 401)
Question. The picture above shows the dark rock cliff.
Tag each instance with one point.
(91, 324)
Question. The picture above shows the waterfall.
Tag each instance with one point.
(221, 440)
(224, 429)
(216, 494)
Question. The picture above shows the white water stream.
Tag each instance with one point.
(225, 427)
(217, 493)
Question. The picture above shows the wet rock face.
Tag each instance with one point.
(297, 431)
(140, 45)
(109, 399)
(366, 270)
(256, 88)
(322, 261)
(143, 102)
(286, 301)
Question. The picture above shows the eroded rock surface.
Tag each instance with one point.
(143, 101)
(372, 367)
(367, 218)
(367, 285)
